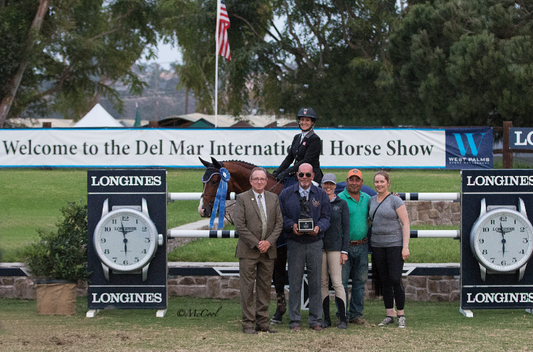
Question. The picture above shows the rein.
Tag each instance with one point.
(220, 199)
(274, 187)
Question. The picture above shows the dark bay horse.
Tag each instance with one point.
(239, 181)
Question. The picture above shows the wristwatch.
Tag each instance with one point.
(126, 239)
(502, 239)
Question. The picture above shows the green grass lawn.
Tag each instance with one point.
(31, 199)
(423, 250)
(431, 326)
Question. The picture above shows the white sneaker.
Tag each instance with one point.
(387, 321)
(401, 322)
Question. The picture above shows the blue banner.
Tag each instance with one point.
(521, 138)
(469, 148)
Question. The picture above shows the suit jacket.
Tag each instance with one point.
(249, 227)
(306, 152)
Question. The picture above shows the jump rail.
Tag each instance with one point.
(233, 234)
(191, 196)
(405, 196)
(431, 196)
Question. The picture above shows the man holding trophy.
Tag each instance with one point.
(306, 213)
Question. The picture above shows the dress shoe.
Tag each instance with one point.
(266, 329)
(317, 328)
(358, 321)
(295, 328)
(249, 331)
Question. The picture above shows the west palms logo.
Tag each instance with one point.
(469, 147)
(474, 148)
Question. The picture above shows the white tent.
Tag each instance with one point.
(98, 117)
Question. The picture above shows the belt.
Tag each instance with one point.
(358, 243)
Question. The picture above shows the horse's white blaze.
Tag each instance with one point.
(201, 205)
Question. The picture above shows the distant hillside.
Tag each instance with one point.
(159, 99)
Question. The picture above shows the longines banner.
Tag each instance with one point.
(521, 138)
(365, 148)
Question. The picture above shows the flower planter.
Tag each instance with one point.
(56, 297)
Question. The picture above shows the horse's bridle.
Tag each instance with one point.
(215, 172)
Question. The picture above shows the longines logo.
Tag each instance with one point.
(500, 297)
(499, 180)
(127, 298)
(124, 181)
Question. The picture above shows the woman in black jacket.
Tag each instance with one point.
(305, 148)
(336, 242)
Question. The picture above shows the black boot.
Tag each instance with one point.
(326, 319)
(280, 310)
(342, 311)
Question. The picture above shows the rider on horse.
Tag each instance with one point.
(306, 148)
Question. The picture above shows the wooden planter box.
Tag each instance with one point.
(56, 298)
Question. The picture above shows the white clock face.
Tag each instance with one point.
(125, 239)
(502, 240)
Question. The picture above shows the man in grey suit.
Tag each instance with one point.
(258, 222)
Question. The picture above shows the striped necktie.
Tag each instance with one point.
(263, 216)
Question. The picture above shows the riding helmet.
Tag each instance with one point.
(307, 112)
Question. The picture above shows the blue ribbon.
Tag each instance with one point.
(220, 199)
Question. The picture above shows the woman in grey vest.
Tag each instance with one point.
(390, 245)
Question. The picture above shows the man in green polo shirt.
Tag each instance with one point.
(356, 267)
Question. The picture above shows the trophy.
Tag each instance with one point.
(305, 222)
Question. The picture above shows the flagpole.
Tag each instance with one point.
(216, 63)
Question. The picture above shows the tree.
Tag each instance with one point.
(329, 55)
(464, 63)
(191, 77)
(15, 55)
(191, 25)
(81, 48)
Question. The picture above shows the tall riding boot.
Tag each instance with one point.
(342, 311)
(326, 319)
(280, 310)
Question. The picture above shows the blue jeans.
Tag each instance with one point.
(356, 268)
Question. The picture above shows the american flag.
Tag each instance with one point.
(223, 32)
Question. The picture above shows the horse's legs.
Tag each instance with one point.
(280, 277)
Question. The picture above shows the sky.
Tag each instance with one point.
(166, 54)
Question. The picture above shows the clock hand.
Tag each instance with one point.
(125, 239)
(503, 239)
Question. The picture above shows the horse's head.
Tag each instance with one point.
(238, 183)
(211, 180)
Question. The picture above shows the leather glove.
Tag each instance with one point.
(281, 176)
(275, 173)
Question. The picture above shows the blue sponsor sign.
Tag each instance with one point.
(469, 148)
(521, 138)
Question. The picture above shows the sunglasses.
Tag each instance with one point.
(307, 174)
